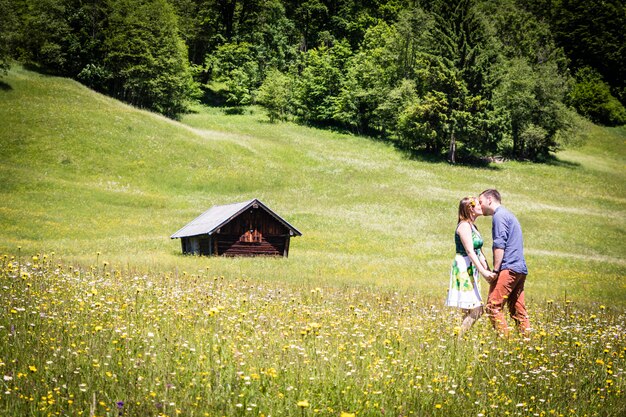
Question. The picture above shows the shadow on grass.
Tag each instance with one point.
(234, 110)
(462, 160)
(421, 155)
(368, 134)
(5, 87)
(213, 98)
(217, 99)
(555, 161)
(41, 70)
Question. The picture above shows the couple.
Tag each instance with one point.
(506, 280)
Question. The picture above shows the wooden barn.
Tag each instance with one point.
(249, 228)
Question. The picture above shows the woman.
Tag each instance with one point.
(468, 263)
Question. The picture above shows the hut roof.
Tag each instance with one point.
(217, 216)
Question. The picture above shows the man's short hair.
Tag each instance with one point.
(493, 193)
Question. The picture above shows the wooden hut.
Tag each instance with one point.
(249, 228)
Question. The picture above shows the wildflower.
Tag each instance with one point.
(344, 414)
(32, 368)
(303, 404)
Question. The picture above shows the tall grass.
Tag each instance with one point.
(102, 342)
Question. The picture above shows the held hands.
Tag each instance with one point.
(490, 276)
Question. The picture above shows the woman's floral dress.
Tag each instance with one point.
(464, 291)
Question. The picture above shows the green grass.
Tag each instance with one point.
(81, 173)
(88, 342)
(118, 322)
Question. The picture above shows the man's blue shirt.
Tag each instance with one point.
(507, 235)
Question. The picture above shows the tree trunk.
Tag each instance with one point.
(452, 151)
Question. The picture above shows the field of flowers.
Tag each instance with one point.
(110, 341)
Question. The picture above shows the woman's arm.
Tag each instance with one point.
(483, 259)
(465, 233)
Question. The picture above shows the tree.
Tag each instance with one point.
(320, 81)
(463, 55)
(592, 34)
(530, 81)
(45, 38)
(147, 58)
(369, 76)
(235, 65)
(275, 95)
(311, 17)
(274, 37)
(6, 31)
(533, 101)
(591, 96)
(391, 60)
(424, 123)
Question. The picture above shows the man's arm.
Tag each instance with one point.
(498, 254)
(500, 234)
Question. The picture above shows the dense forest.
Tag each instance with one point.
(460, 79)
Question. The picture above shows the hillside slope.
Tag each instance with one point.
(81, 173)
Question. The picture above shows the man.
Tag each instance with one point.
(508, 264)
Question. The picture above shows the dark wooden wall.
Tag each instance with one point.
(229, 241)
(257, 219)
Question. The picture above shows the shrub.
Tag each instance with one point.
(591, 97)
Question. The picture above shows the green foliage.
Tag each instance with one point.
(532, 99)
(274, 37)
(394, 105)
(7, 30)
(592, 97)
(275, 94)
(382, 77)
(462, 58)
(592, 33)
(46, 39)
(95, 76)
(146, 57)
(365, 84)
(319, 85)
(424, 123)
(311, 16)
(235, 65)
(352, 62)
(530, 82)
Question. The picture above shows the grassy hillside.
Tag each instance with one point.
(81, 173)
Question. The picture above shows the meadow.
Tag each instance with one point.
(91, 342)
(102, 316)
